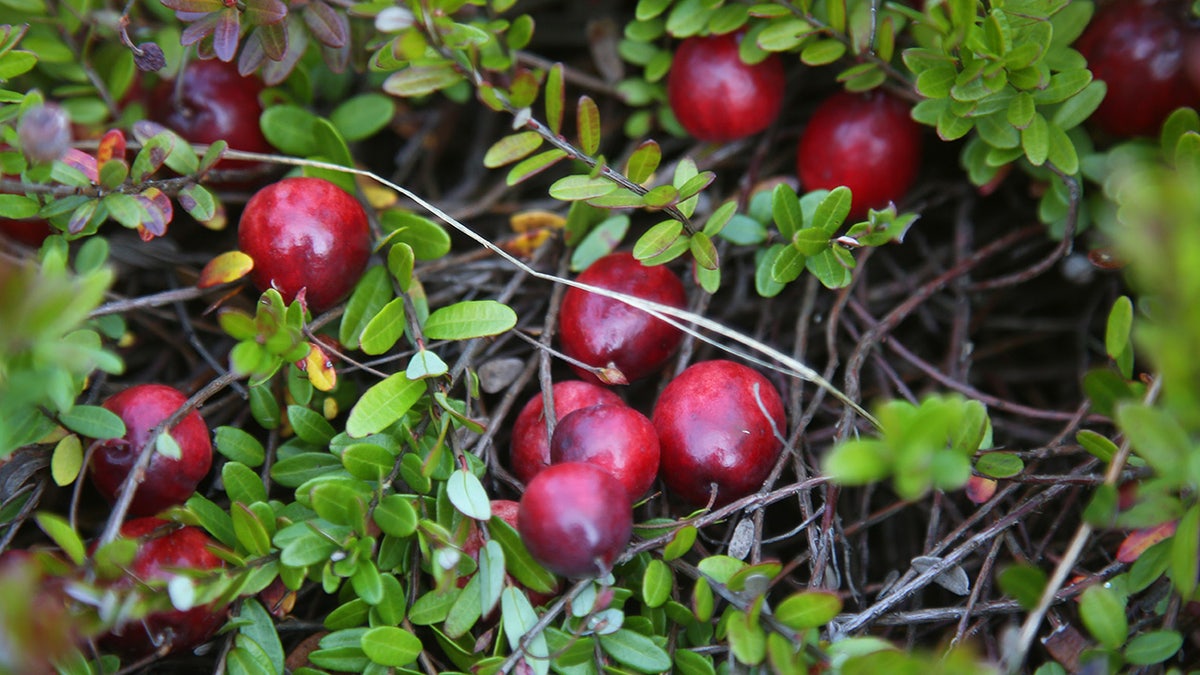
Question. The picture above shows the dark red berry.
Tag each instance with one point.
(606, 332)
(575, 519)
(1139, 50)
(867, 142)
(718, 97)
(164, 553)
(616, 438)
(714, 433)
(306, 233)
(168, 481)
(531, 439)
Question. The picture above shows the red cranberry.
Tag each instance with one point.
(167, 481)
(1138, 49)
(29, 231)
(718, 97)
(616, 438)
(530, 438)
(160, 558)
(714, 432)
(214, 103)
(575, 519)
(306, 233)
(600, 331)
(867, 142)
(506, 510)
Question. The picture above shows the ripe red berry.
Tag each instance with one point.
(167, 481)
(161, 557)
(718, 97)
(506, 510)
(1139, 49)
(306, 233)
(213, 102)
(29, 231)
(575, 519)
(616, 438)
(600, 331)
(867, 142)
(531, 440)
(713, 431)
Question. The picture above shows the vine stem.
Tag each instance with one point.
(137, 472)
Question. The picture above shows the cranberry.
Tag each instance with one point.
(530, 438)
(506, 510)
(160, 557)
(714, 433)
(575, 519)
(306, 233)
(867, 142)
(605, 332)
(213, 102)
(718, 97)
(616, 438)
(1138, 49)
(167, 481)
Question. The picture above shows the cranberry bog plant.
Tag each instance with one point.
(991, 397)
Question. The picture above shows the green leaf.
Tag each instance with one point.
(788, 265)
(643, 162)
(1103, 613)
(519, 563)
(785, 209)
(1154, 647)
(1061, 150)
(1000, 465)
(59, 530)
(289, 129)
(858, 462)
(829, 267)
(67, 460)
(491, 575)
(636, 651)
(425, 364)
(93, 421)
(587, 125)
(257, 625)
(470, 319)
(527, 168)
(657, 239)
(601, 240)
(657, 581)
(703, 250)
(822, 52)
(396, 516)
(391, 646)
(384, 329)
(373, 291)
(681, 544)
(747, 640)
(467, 608)
(1185, 549)
(1120, 322)
(400, 263)
(429, 240)
(251, 535)
(808, 609)
(242, 484)
(1035, 140)
(310, 425)
(383, 404)
(518, 619)
(1025, 583)
(553, 94)
(467, 495)
(784, 35)
(340, 504)
(577, 187)
(422, 80)
(1157, 437)
(832, 211)
(512, 148)
(362, 116)
(1075, 110)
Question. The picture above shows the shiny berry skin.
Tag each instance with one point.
(575, 519)
(168, 481)
(616, 438)
(713, 431)
(867, 142)
(215, 103)
(530, 446)
(306, 233)
(600, 331)
(718, 97)
(158, 558)
(1139, 49)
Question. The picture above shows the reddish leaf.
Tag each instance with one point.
(980, 489)
(199, 29)
(262, 12)
(112, 145)
(227, 267)
(161, 202)
(273, 40)
(155, 223)
(276, 71)
(1140, 540)
(328, 26)
(225, 37)
(84, 162)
